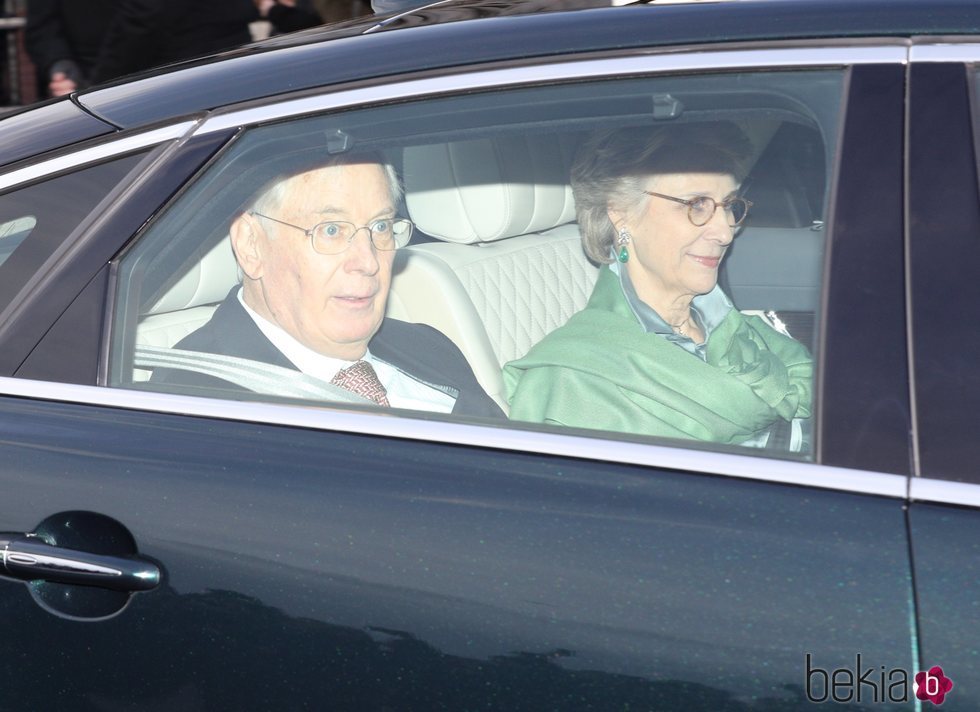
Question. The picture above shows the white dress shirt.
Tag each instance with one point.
(403, 390)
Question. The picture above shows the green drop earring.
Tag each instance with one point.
(623, 240)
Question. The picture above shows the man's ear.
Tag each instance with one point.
(244, 234)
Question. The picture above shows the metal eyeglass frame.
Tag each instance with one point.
(396, 242)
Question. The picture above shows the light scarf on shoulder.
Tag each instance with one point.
(603, 370)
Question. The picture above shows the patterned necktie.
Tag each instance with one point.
(361, 379)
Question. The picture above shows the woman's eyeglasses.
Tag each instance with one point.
(700, 210)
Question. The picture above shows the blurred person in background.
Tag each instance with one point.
(337, 10)
(149, 33)
(287, 16)
(293, 15)
(386, 6)
(75, 43)
(64, 40)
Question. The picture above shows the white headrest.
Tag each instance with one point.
(489, 189)
(207, 282)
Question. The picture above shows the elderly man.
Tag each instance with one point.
(315, 249)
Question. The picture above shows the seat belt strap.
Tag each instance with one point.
(256, 376)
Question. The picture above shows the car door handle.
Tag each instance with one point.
(30, 558)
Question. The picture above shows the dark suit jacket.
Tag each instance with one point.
(66, 30)
(148, 33)
(416, 349)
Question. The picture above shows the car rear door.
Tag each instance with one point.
(323, 557)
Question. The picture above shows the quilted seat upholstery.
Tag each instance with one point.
(509, 266)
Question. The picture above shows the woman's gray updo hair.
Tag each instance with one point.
(613, 168)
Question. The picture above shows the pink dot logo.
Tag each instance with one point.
(933, 685)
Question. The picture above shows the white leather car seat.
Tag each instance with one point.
(509, 266)
(190, 303)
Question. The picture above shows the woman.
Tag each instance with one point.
(659, 348)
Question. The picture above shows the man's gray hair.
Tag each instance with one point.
(274, 192)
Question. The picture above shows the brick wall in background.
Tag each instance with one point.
(19, 83)
(27, 79)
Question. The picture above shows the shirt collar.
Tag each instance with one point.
(709, 309)
(404, 390)
(304, 358)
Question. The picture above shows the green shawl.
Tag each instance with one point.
(603, 370)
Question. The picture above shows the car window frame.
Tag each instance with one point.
(784, 55)
(168, 157)
(778, 55)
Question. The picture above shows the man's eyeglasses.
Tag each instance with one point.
(700, 210)
(335, 236)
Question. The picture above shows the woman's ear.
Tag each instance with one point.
(244, 235)
(616, 217)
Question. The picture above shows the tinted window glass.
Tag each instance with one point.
(944, 219)
(34, 221)
(13, 232)
(511, 210)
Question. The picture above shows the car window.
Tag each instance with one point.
(640, 256)
(36, 219)
(13, 232)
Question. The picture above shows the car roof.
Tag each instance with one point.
(455, 33)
